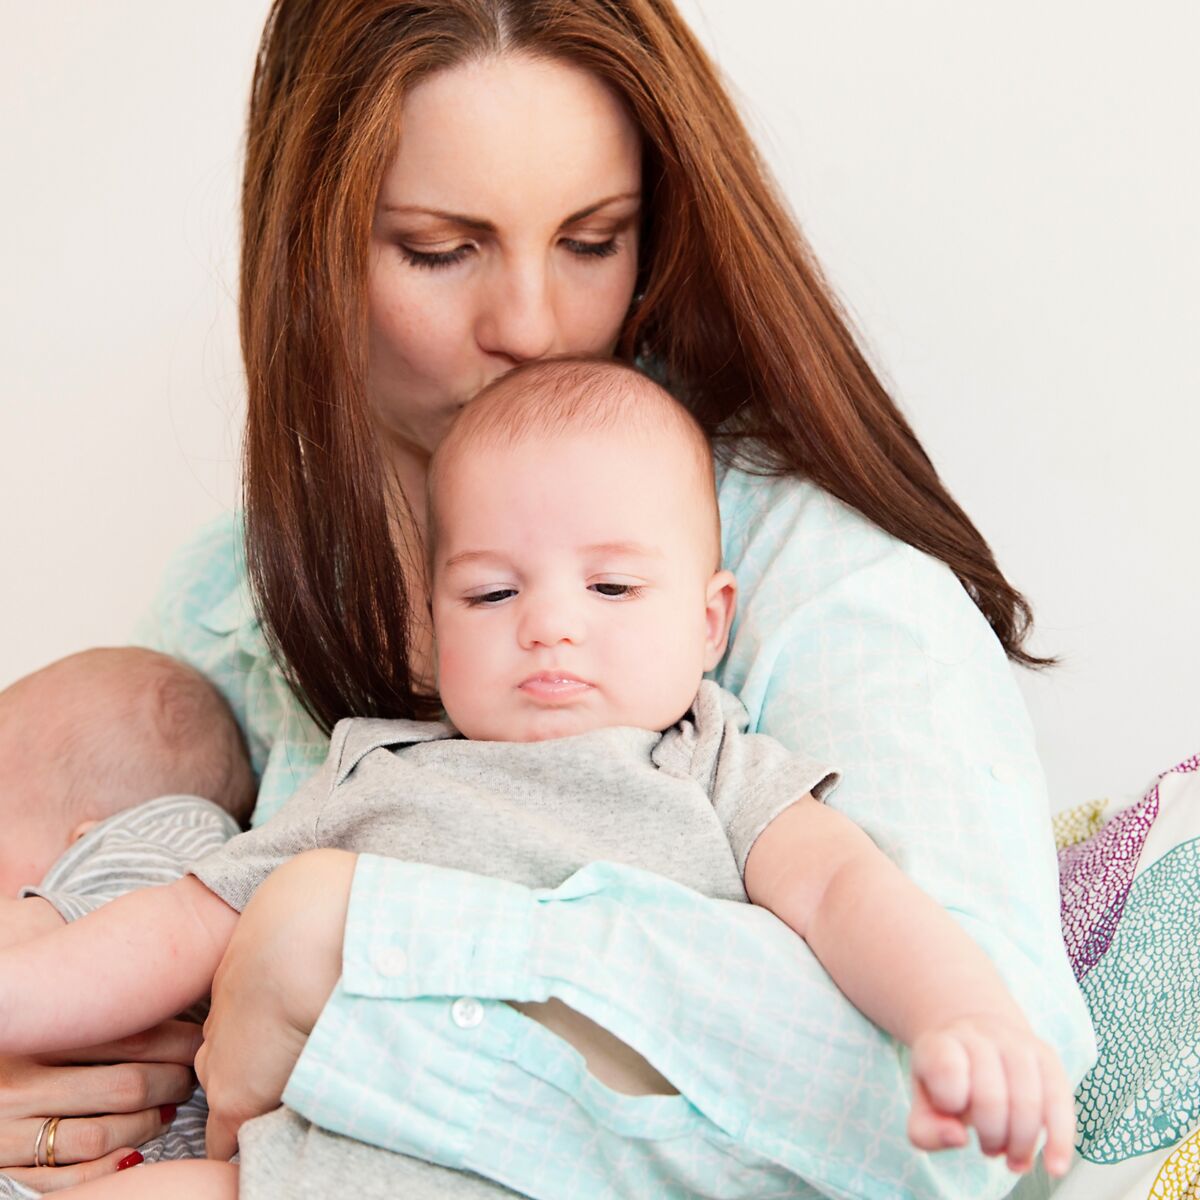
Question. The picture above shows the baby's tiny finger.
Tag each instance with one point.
(1060, 1116)
(941, 1065)
(930, 1130)
(1026, 1106)
(988, 1110)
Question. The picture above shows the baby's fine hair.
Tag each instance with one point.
(556, 397)
(122, 725)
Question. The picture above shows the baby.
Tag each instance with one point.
(577, 601)
(88, 746)
(118, 768)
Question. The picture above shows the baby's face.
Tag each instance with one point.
(574, 586)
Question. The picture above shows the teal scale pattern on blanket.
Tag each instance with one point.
(1143, 1094)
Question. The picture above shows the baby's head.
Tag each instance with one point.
(102, 731)
(575, 546)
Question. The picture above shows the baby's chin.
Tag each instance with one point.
(543, 726)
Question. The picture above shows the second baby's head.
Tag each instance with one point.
(99, 732)
(575, 578)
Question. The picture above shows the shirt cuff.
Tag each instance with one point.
(417, 930)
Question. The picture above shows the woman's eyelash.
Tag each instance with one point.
(593, 249)
(442, 258)
(447, 258)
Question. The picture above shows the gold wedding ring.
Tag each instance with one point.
(37, 1144)
(50, 1135)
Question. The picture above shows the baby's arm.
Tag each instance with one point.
(903, 962)
(21, 920)
(144, 957)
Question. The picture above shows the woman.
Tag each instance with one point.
(433, 194)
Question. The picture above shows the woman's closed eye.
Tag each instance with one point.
(433, 259)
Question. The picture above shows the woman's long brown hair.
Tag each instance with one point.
(735, 317)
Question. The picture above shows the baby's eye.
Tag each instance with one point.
(495, 596)
(617, 591)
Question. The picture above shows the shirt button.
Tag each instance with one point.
(390, 961)
(1003, 773)
(466, 1012)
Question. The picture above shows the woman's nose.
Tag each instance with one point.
(517, 318)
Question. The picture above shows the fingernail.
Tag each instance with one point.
(166, 1113)
(130, 1160)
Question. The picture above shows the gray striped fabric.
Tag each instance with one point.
(151, 844)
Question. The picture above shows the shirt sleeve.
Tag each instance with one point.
(146, 848)
(203, 614)
(750, 777)
(870, 654)
(417, 1052)
(237, 869)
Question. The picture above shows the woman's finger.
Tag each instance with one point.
(81, 1139)
(169, 1042)
(121, 1088)
(55, 1179)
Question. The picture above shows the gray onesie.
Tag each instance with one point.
(687, 804)
(143, 846)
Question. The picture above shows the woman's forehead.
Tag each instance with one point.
(508, 139)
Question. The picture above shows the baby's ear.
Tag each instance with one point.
(720, 603)
(80, 829)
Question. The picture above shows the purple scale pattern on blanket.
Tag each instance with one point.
(1095, 877)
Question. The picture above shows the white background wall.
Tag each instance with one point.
(1004, 194)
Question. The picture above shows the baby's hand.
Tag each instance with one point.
(995, 1075)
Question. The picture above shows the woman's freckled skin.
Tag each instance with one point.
(522, 144)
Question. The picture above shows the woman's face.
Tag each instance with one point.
(506, 229)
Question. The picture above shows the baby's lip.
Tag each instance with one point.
(555, 688)
(553, 677)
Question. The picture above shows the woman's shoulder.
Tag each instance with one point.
(787, 532)
(204, 615)
(205, 578)
(817, 578)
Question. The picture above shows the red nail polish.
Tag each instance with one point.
(166, 1113)
(130, 1160)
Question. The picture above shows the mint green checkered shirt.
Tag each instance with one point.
(848, 644)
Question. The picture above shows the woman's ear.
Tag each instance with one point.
(720, 603)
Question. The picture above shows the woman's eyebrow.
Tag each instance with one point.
(482, 225)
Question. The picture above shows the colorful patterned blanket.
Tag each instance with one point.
(1130, 895)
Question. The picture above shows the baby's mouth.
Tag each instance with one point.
(554, 686)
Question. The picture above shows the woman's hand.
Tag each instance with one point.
(278, 972)
(136, 1082)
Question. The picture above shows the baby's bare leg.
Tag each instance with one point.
(188, 1178)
